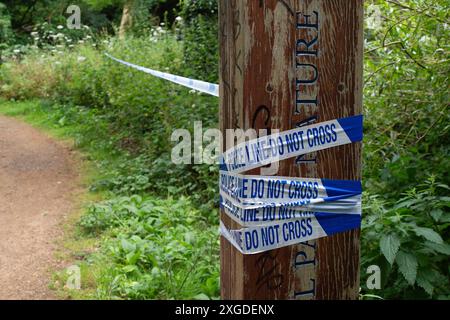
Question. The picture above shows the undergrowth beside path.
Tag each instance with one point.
(127, 245)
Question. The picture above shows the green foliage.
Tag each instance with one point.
(124, 118)
(159, 249)
(5, 27)
(406, 149)
(201, 50)
(413, 255)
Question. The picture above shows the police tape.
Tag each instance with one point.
(274, 212)
(252, 200)
(202, 86)
(251, 189)
(281, 211)
(280, 234)
(291, 143)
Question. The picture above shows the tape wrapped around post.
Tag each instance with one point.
(291, 143)
(276, 235)
(281, 211)
(252, 200)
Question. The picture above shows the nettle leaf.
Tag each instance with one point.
(389, 245)
(436, 214)
(407, 265)
(428, 234)
(443, 248)
(425, 284)
(445, 218)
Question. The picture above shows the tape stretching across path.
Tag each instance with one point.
(281, 211)
(202, 86)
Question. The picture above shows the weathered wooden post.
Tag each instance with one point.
(285, 64)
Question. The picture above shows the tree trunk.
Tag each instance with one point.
(127, 19)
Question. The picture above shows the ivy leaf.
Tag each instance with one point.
(407, 265)
(389, 245)
(429, 234)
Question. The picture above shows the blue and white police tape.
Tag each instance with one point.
(250, 199)
(269, 212)
(202, 86)
(251, 189)
(280, 234)
(281, 211)
(291, 143)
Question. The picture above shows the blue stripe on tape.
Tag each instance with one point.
(222, 165)
(353, 127)
(333, 223)
(339, 187)
(292, 143)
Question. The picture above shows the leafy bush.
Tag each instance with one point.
(6, 34)
(130, 115)
(159, 249)
(201, 49)
(409, 235)
(406, 149)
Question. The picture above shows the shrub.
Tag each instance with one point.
(160, 249)
(201, 49)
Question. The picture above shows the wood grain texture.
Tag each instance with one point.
(265, 47)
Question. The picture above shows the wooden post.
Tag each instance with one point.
(286, 63)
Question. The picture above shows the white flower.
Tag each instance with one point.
(179, 19)
(162, 23)
(60, 27)
(16, 51)
(36, 39)
(34, 33)
(81, 59)
(80, 41)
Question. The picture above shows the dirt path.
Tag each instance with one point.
(38, 181)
